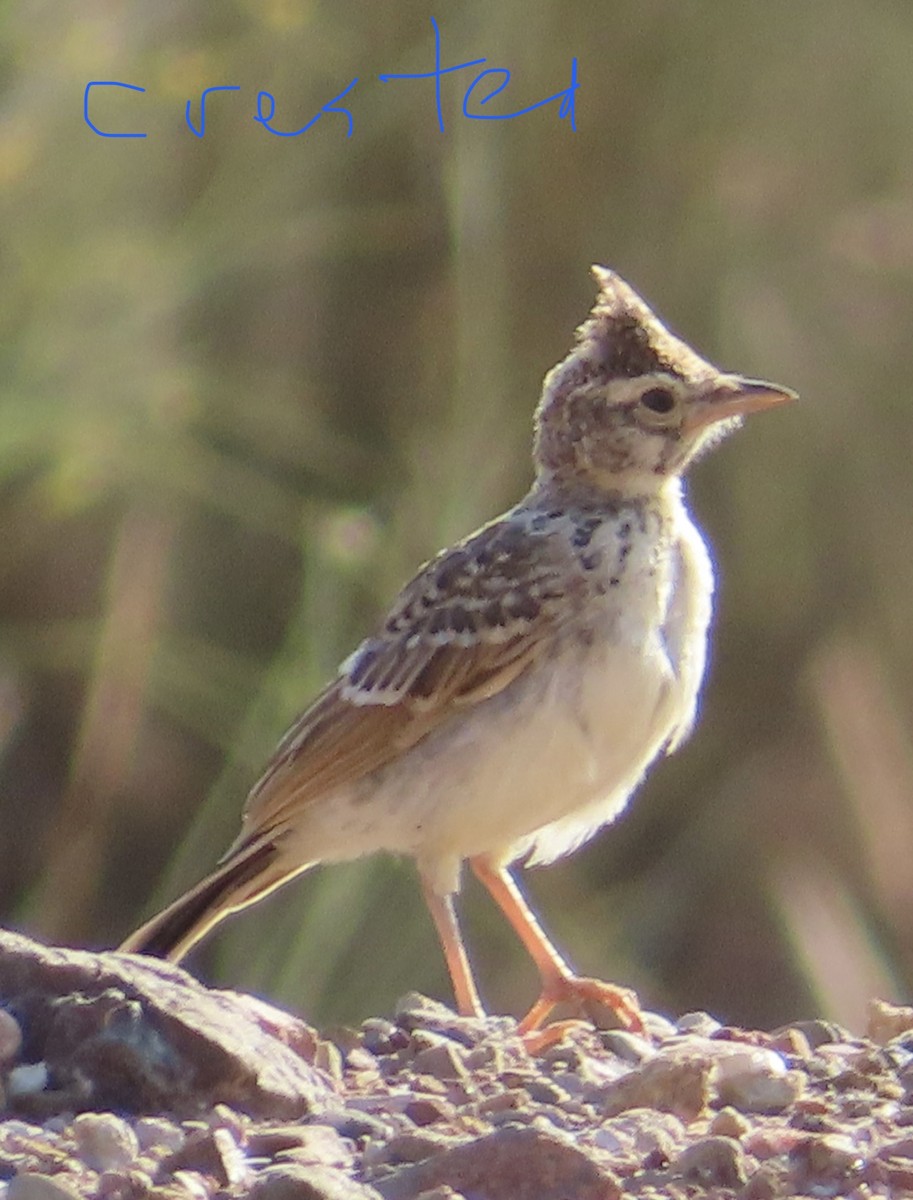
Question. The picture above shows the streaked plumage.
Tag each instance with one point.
(525, 679)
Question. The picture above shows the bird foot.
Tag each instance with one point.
(591, 999)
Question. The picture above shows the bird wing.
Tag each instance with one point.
(470, 622)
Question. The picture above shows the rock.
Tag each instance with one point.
(10, 1036)
(698, 1022)
(40, 1187)
(827, 1165)
(631, 1047)
(729, 1123)
(438, 1056)
(887, 1021)
(713, 1162)
(138, 1035)
(510, 1164)
(105, 1142)
(157, 1133)
(124, 1185)
(752, 1079)
(213, 1153)
(415, 1011)
(293, 1182)
(818, 1033)
(678, 1082)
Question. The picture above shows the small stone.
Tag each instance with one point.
(413, 1147)
(415, 1011)
(193, 1183)
(698, 1022)
(791, 1042)
(509, 1164)
(208, 1152)
(328, 1057)
(27, 1079)
(765, 1184)
(887, 1021)
(658, 1027)
(10, 1036)
(383, 1037)
(157, 1133)
(825, 1162)
(349, 1123)
(752, 1079)
(818, 1033)
(123, 1185)
(440, 1058)
(729, 1123)
(294, 1182)
(40, 1187)
(675, 1083)
(630, 1047)
(322, 1146)
(713, 1161)
(105, 1142)
(644, 1132)
(426, 1111)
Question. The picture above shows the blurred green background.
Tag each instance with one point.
(250, 382)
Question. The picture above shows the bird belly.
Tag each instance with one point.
(535, 773)
(537, 769)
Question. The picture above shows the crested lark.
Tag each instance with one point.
(525, 679)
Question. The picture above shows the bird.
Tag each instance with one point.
(520, 685)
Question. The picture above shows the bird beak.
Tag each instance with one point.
(735, 397)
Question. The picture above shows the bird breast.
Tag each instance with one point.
(537, 770)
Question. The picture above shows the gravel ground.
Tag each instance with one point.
(437, 1106)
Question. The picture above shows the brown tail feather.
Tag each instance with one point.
(246, 877)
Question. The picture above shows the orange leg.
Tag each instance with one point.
(559, 983)
(445, 922)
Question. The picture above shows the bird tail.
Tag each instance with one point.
(245, 877)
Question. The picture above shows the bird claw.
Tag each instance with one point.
(590, 998)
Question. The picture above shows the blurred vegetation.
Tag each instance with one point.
(250, 382)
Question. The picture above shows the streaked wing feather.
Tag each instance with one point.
(467, 626)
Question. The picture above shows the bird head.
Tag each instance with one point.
(632, 405)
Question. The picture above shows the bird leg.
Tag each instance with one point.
(445, 922)
(559, 983)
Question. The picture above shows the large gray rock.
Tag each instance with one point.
(139, 1035)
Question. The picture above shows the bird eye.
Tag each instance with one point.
(658, 400)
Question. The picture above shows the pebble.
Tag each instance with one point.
(818, 1033)
(357, 1126)
(752, 1079)
(415, 1011)
(677, 1082)
(10, 1036)
(887, 1021)
(380, 1036)
(426, 1110)
(642, 1131)
(193, 1183)
(828, 1160)
(713, 1161)
(40, 1187)
(440, 1058)
(157, 1133)
(27, 1079)
(105, 1141)
(698, 1022)
(294, 1182)
(658, 1027)
(729, 1123)
(630, 1047)
(123, 1185)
